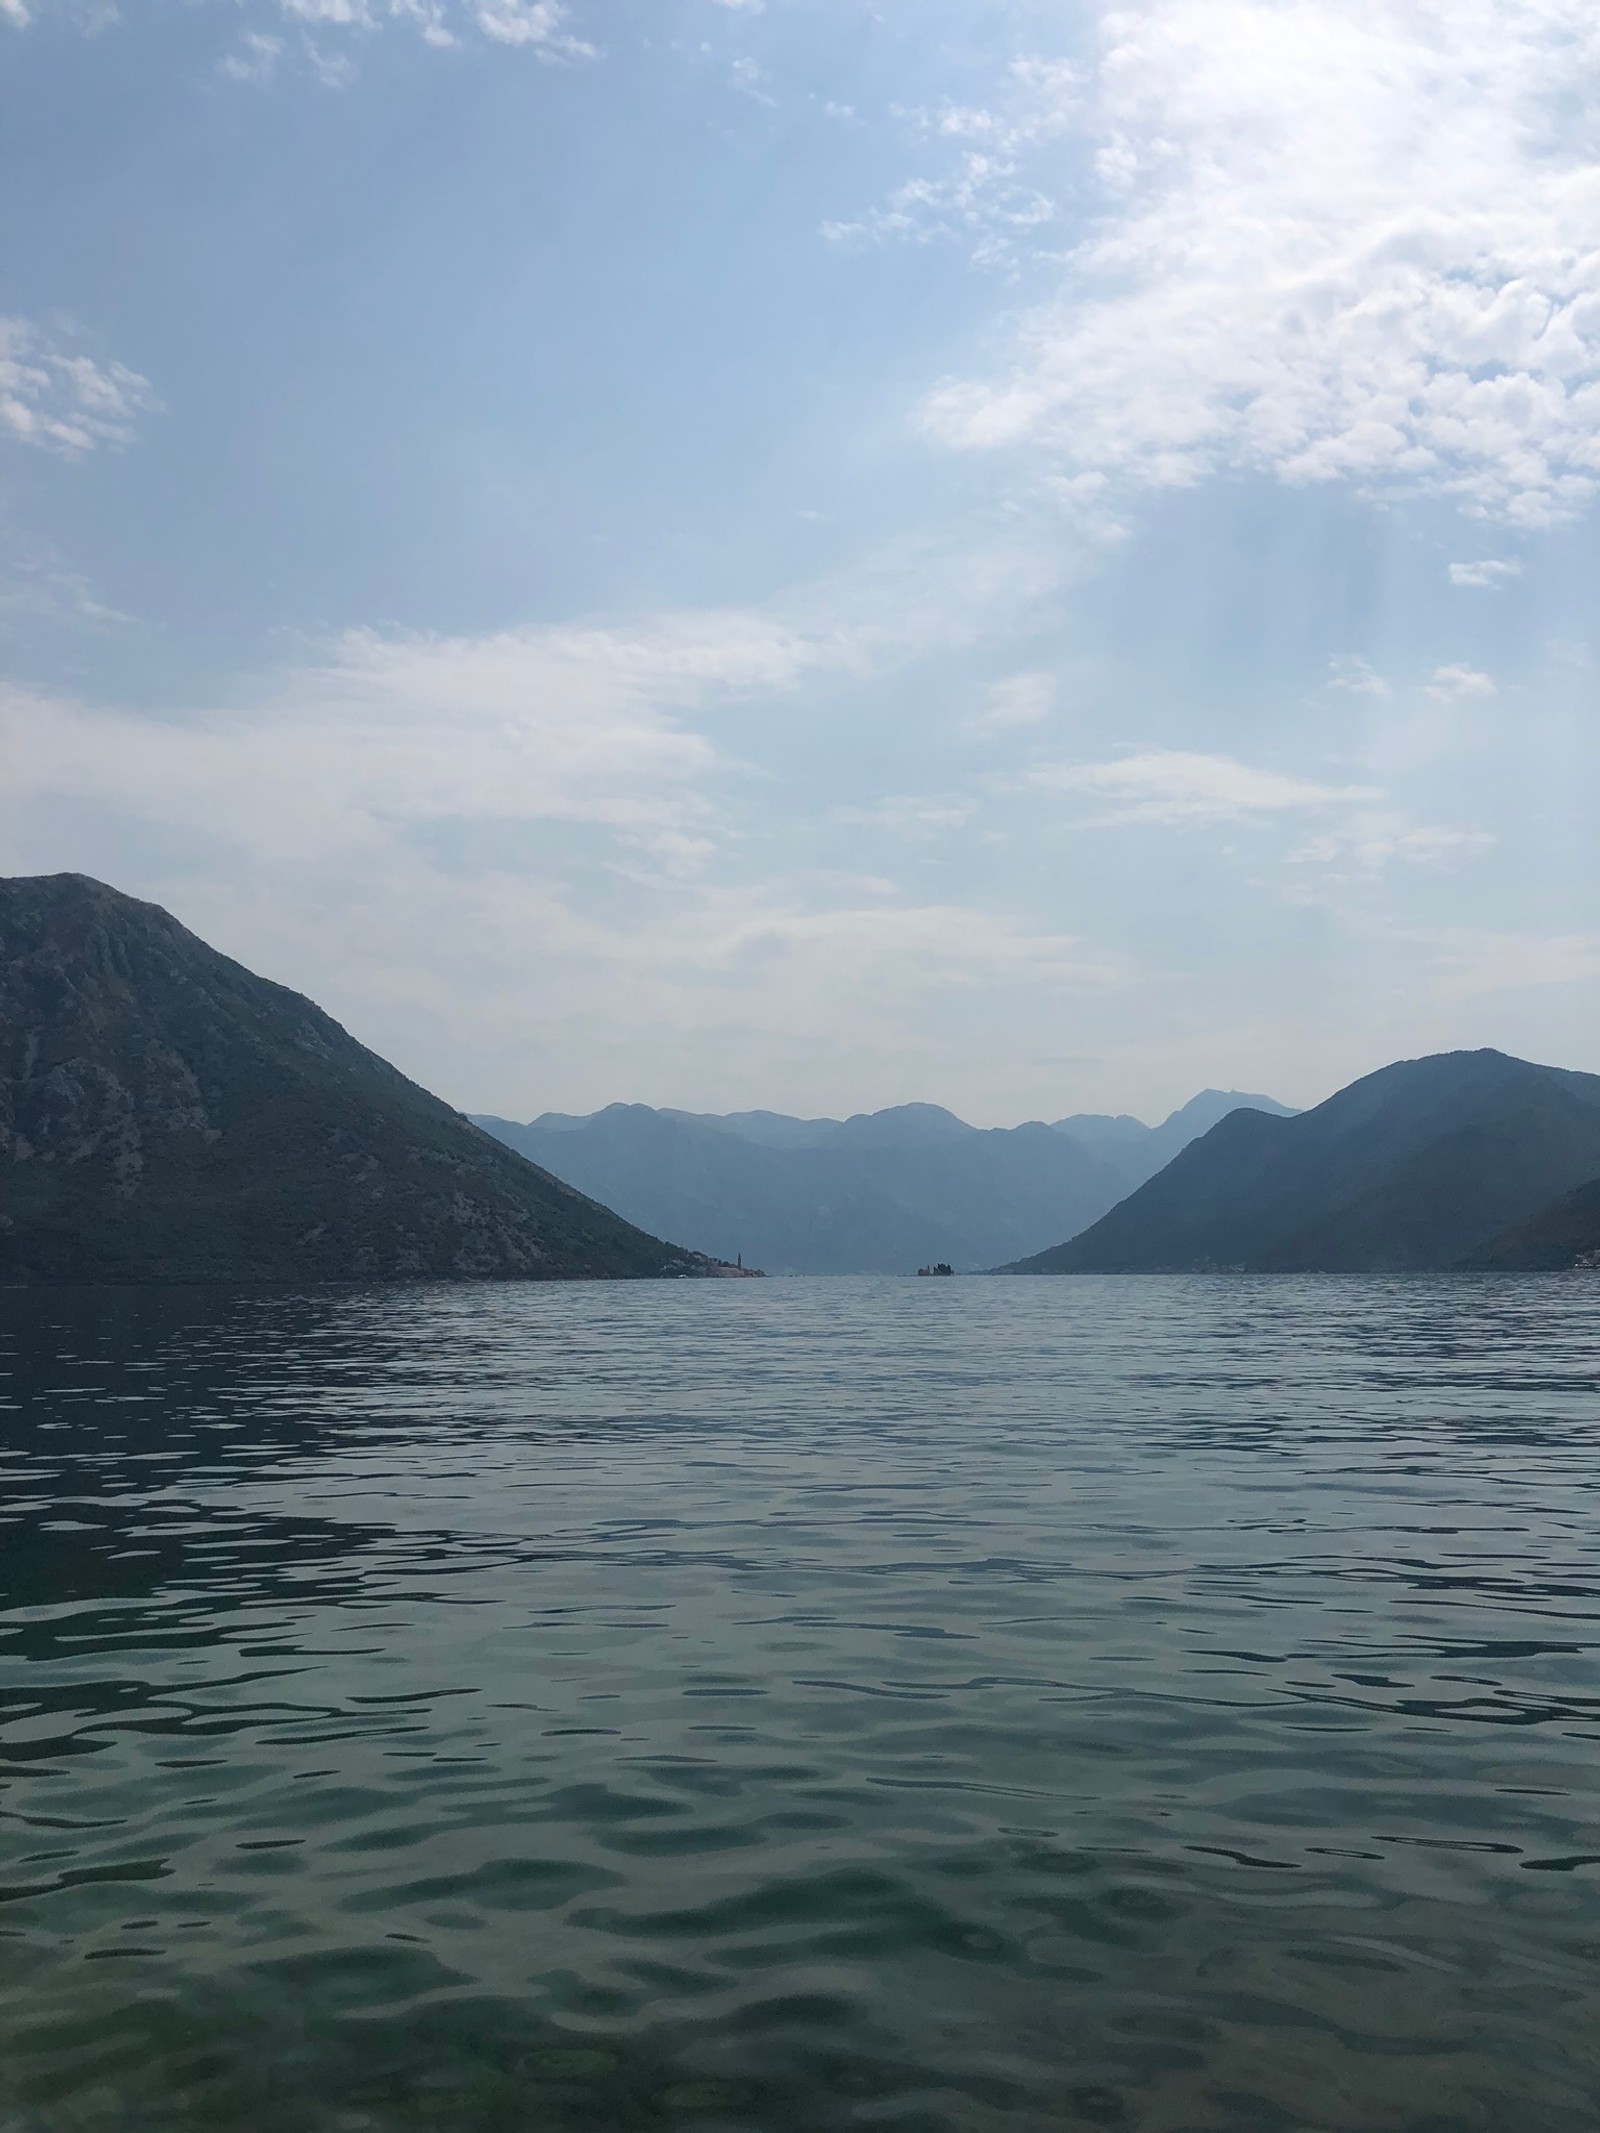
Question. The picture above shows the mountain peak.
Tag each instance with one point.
(1415, 1166)
(902, 1125)
(165, 1114)
(1203, 1110)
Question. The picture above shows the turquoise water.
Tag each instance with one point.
(1163, 1704)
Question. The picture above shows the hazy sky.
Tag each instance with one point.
(815, 554)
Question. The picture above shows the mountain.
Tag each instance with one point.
(883, 1191)
(1564, 1235)
(1139, 1151)
(167, 1116)
(1414, 1167)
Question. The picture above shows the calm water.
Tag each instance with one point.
(978, 1704)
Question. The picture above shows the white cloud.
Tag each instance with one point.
(1459, 684)
(911, 948)
(580, 723)
(520, 858)
(1371, 841)
(751, 80)
(37, 587)
(1492, 571)
(254, 59)
(1338, 239)
(1480, 961)
(1351, 673)
(993, 200)
(1358, 834)
(573, 725)
(1173, 788)
(61, 400)
(1017, 702)
(542, 27)
(538, 24)
(345, 14)
(909, 815)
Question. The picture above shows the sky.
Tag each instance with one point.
(806, 554)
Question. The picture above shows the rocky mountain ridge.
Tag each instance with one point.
(165, 1114)
(879, 1192)
(1421, 1166)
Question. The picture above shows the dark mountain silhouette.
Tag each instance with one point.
(166, 1115)
(1563, 1235)
(1139, 1151)
(1416, 1166)
(884, 1191)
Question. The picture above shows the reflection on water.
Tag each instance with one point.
(987, 1705)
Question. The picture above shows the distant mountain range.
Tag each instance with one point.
(166, 1115)
(1429, 1164)
(881, 1192)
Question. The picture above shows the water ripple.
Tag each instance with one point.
(1158, 1705)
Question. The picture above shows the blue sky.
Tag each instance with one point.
(1029, 557)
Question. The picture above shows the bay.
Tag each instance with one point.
(1152, 1704)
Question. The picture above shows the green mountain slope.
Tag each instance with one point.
(1413, 1167)
(1564, 1235)
(167, 1115)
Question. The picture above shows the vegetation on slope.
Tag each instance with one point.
(1413, 1167)
(167, 1115)
(1566, 1234)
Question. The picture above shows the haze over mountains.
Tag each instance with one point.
(167, 1115)
(1428, 1164)
(881, 1192)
